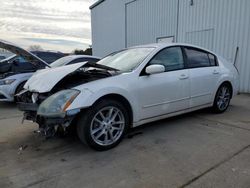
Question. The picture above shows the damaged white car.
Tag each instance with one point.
(128, 88)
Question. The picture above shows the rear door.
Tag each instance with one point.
(204, 74)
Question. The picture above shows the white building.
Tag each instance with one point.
(222, 26)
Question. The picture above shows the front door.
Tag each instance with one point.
(165, 92)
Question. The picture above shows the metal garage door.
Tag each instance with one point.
(204, 38)
(221, 26)
(147, 21)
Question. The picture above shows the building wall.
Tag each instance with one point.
(219, 25)
(147, 20)
(108, 28)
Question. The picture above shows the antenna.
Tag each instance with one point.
(236, 57)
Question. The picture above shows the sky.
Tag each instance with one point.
(60, 25)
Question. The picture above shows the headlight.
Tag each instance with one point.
(7, 82)
(57, 104)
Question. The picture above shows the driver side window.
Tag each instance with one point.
(20, 59)
(171, 58)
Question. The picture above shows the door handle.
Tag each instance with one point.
(215, 72)
(183, 77)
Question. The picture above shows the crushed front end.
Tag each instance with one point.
(45, 102)
(49, 123)
(28, 102)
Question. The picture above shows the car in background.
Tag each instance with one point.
(17, 69)
(2, 57)
(129, 88)
(72, 59)
(48, 56)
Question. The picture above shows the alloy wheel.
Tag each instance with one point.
(107, 125)
(223, 98)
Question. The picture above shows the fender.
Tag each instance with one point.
(90, 93)
(22, 77)
(224, 78)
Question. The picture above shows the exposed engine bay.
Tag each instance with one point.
(29, 101)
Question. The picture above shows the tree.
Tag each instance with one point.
(87, 51)
(78, 52)
(35, 48)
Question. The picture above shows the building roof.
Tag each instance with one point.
(96, 4)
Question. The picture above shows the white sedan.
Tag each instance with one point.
(129, 88)
(72, 59)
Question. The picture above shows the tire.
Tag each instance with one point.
(103, 125)
(19, 89)
(222, 98)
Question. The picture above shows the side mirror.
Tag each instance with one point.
(154, 69)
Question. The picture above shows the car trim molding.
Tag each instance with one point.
(166, 102)
(163, 116)
(200, 95)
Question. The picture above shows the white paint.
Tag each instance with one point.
(155, 69)
(9, 90)
(43, 81)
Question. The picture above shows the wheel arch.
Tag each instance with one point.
(19, 84)
(123, 100)
(229, 84)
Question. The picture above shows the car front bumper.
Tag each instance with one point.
(30, 113)
(48, 126)
(29, 109)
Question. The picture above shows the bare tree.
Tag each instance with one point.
(87, 51)
(35, 48)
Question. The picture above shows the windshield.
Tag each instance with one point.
(126, 60)
(62, 61)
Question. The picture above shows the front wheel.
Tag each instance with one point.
(103, 126)
(222, 98)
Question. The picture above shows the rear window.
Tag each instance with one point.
(49, 57)
(197, 58)
(212, 59)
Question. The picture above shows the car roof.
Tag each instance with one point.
(82, 56)
(164, 45)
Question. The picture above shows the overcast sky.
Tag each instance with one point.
(62, 25)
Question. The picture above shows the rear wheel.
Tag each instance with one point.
(103, 126)
(222, 98)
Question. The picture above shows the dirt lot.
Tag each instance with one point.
(199, 149)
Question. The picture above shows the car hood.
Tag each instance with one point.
(43, 81)
(33, 59)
